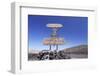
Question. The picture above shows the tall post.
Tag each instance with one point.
(50, 47)
(56, 47)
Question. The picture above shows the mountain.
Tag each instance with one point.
(80, 49)
(33, 51)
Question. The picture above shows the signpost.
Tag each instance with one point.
(54, 39)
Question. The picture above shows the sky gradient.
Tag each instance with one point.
(74, 30)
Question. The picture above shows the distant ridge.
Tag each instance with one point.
(77, 49)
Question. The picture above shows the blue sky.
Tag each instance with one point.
(74, 30)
